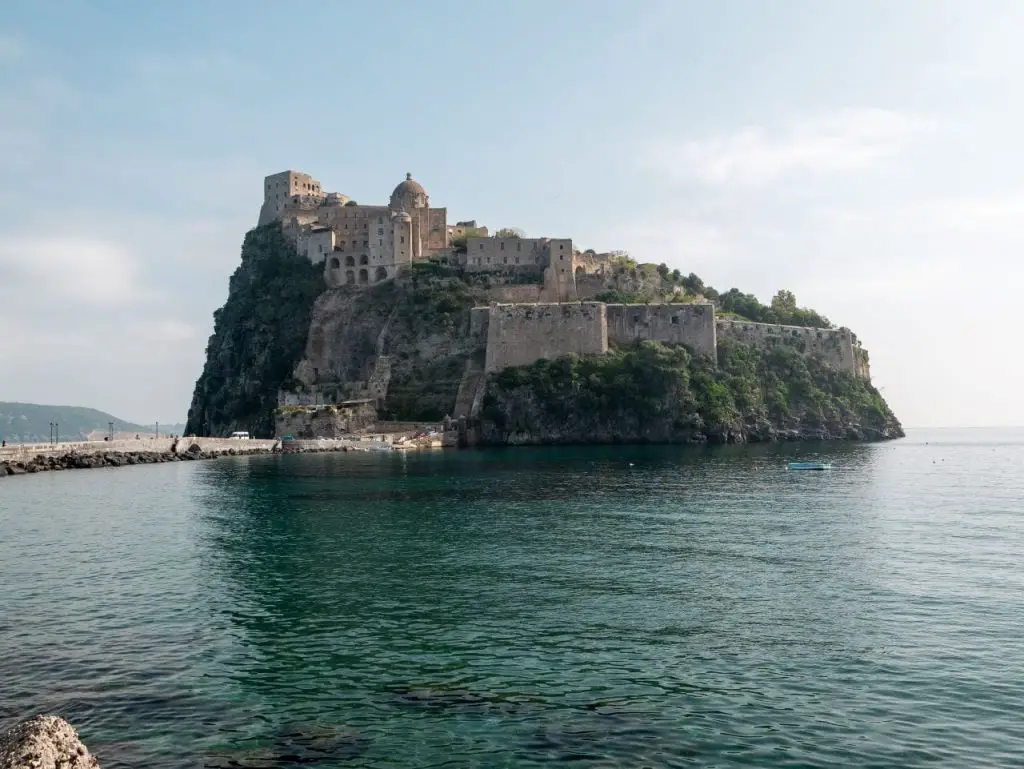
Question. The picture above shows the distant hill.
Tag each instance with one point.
(30, 423)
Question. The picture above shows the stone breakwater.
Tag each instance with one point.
(181, 450)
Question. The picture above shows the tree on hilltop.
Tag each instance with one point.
(509, 232)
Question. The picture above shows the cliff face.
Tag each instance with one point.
(258, 337)
(651, 393)
(409, 340)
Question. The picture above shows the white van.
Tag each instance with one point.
(240, 436)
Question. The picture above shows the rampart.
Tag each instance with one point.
(836, 346)
(692, 325)
(519, 334)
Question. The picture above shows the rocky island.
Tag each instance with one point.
(343, 316)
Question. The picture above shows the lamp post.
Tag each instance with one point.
(110, 430)
(51, 433)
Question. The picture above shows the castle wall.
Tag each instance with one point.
(836, 346)
(590, 285)
(523, 293)
(689, 324)
(317, 245)
(484, 254)
(436, 236)
(519, 334)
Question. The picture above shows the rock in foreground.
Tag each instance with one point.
(44, 742)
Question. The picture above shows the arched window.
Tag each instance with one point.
(364, 276)
(335, 264)
(364, 259)
(382, 274)
(350, 261)
(350, 276)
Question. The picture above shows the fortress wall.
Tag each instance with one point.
(590, 285)
(526, 293)
(689, 324)
(519, 334)
(834, 345)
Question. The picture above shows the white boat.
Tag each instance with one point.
(809, 466)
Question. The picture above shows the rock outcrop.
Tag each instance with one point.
(44, 742)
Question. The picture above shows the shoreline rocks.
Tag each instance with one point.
(75, 460)
(44, 742)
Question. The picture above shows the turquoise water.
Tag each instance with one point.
(627, 607)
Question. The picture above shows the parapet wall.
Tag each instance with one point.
(690, 324)
(519, 334)
(836, 346)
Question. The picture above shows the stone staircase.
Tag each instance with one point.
(471, 388)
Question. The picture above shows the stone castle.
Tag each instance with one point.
(367, 244)
(540, 290)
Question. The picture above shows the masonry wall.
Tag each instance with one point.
(689, 324)
(524, 293)
(519, 334)
(479, 322)
(836, 346)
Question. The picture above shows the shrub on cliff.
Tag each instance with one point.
(653, 392)
(259, 336)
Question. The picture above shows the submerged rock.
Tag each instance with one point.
(44, 742)
(296, 746)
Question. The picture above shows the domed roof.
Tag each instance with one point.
(401, 216)
(407, 191)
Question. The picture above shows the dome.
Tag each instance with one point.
(401, 216)
(409, 193)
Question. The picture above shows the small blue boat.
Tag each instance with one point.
(809, 466)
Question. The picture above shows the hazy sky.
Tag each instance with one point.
(865, 155)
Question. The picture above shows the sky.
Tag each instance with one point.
(864, 155)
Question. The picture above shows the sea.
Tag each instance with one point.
(528, 607)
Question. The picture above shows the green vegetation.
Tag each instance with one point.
(509, 232)
(441, 299)
(614, 296)
(258, 336)
(650, 391)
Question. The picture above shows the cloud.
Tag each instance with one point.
(837, 142)
(68, 269)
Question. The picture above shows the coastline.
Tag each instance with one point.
(81, 456)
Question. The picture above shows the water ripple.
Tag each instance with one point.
(626, 607)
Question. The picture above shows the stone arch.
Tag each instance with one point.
(580, 272)
(382, 274)
(364, 276)
(335, 264)
(350, 276)
(350, 261)
(364, 259)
